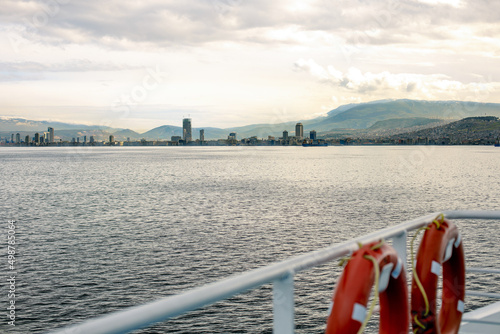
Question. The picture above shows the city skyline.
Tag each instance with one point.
(232, 63)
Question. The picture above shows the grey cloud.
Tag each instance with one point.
(170, 23)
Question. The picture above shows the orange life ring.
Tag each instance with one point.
(353, 289)
(440, 250)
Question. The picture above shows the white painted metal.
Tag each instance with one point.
(280, 273)
(283, 305)
(399, 244)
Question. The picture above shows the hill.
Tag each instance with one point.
(468, 130)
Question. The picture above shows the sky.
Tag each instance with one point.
(141, 64)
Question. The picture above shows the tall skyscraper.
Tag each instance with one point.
(37, 138)
(312, 135)
(186, 129)
(111, 139)
(202, 135)
(299, 131)
(18, 138)
(285, 135)
(51, 134)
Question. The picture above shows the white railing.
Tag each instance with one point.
(281, 275)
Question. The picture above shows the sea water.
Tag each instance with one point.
(99, 229)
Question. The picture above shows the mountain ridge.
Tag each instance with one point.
(354, 116)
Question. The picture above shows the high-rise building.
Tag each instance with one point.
(202, 135)
(299, 131)
(27, 139)
(18, 138)
(232, 136)
(312, 135)
(91, 141)
(186, 129)
(85, 139)
(37, 138)
(12, 138)
(111, 139)
(51, 134)
(285, 135)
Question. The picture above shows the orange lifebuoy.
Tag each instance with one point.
(353, 289)
(440, 250)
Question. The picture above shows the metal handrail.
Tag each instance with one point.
(280, 274)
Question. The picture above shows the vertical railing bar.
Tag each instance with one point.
(283, 305)
(399, 244)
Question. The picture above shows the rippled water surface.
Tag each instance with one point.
(100, 229)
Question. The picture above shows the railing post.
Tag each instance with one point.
(399, 244)
(283, 305)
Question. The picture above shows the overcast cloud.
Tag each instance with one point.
(242, 58)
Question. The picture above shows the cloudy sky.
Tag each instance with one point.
(141, 64)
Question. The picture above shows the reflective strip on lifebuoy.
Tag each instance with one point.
(440, 251)
(353, 290)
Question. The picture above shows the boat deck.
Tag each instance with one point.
(483, 320)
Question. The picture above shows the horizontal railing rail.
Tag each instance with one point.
(280, 274)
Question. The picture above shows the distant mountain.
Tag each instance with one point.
(364, 115)
(23, 124)
(122, 135)
(382, 115)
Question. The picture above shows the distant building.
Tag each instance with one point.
(299, 131)
(285, 135)
(18, 138)
(12, 138)
(92, 140)
(46, 137)
(111, 139)
(312, 135)
(176, 139)
(202, 135)
(51, 134)
(232, 136)
(186, 129)
(27, 139)
(128, 139)
(85, 139)
(37, 138)
(78, 140)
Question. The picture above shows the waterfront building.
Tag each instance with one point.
(232, 136)
(37, 138)
(299, 131)
(312, 135)
(285, 135)
(202, 135)
(51, 134)
(186, 129)
(78, 140)
(175, 139)
(18, 138)
(92, 139)
(27, 139)
(84, 140)
(111, 140)
(12, 138)
(128, 139)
